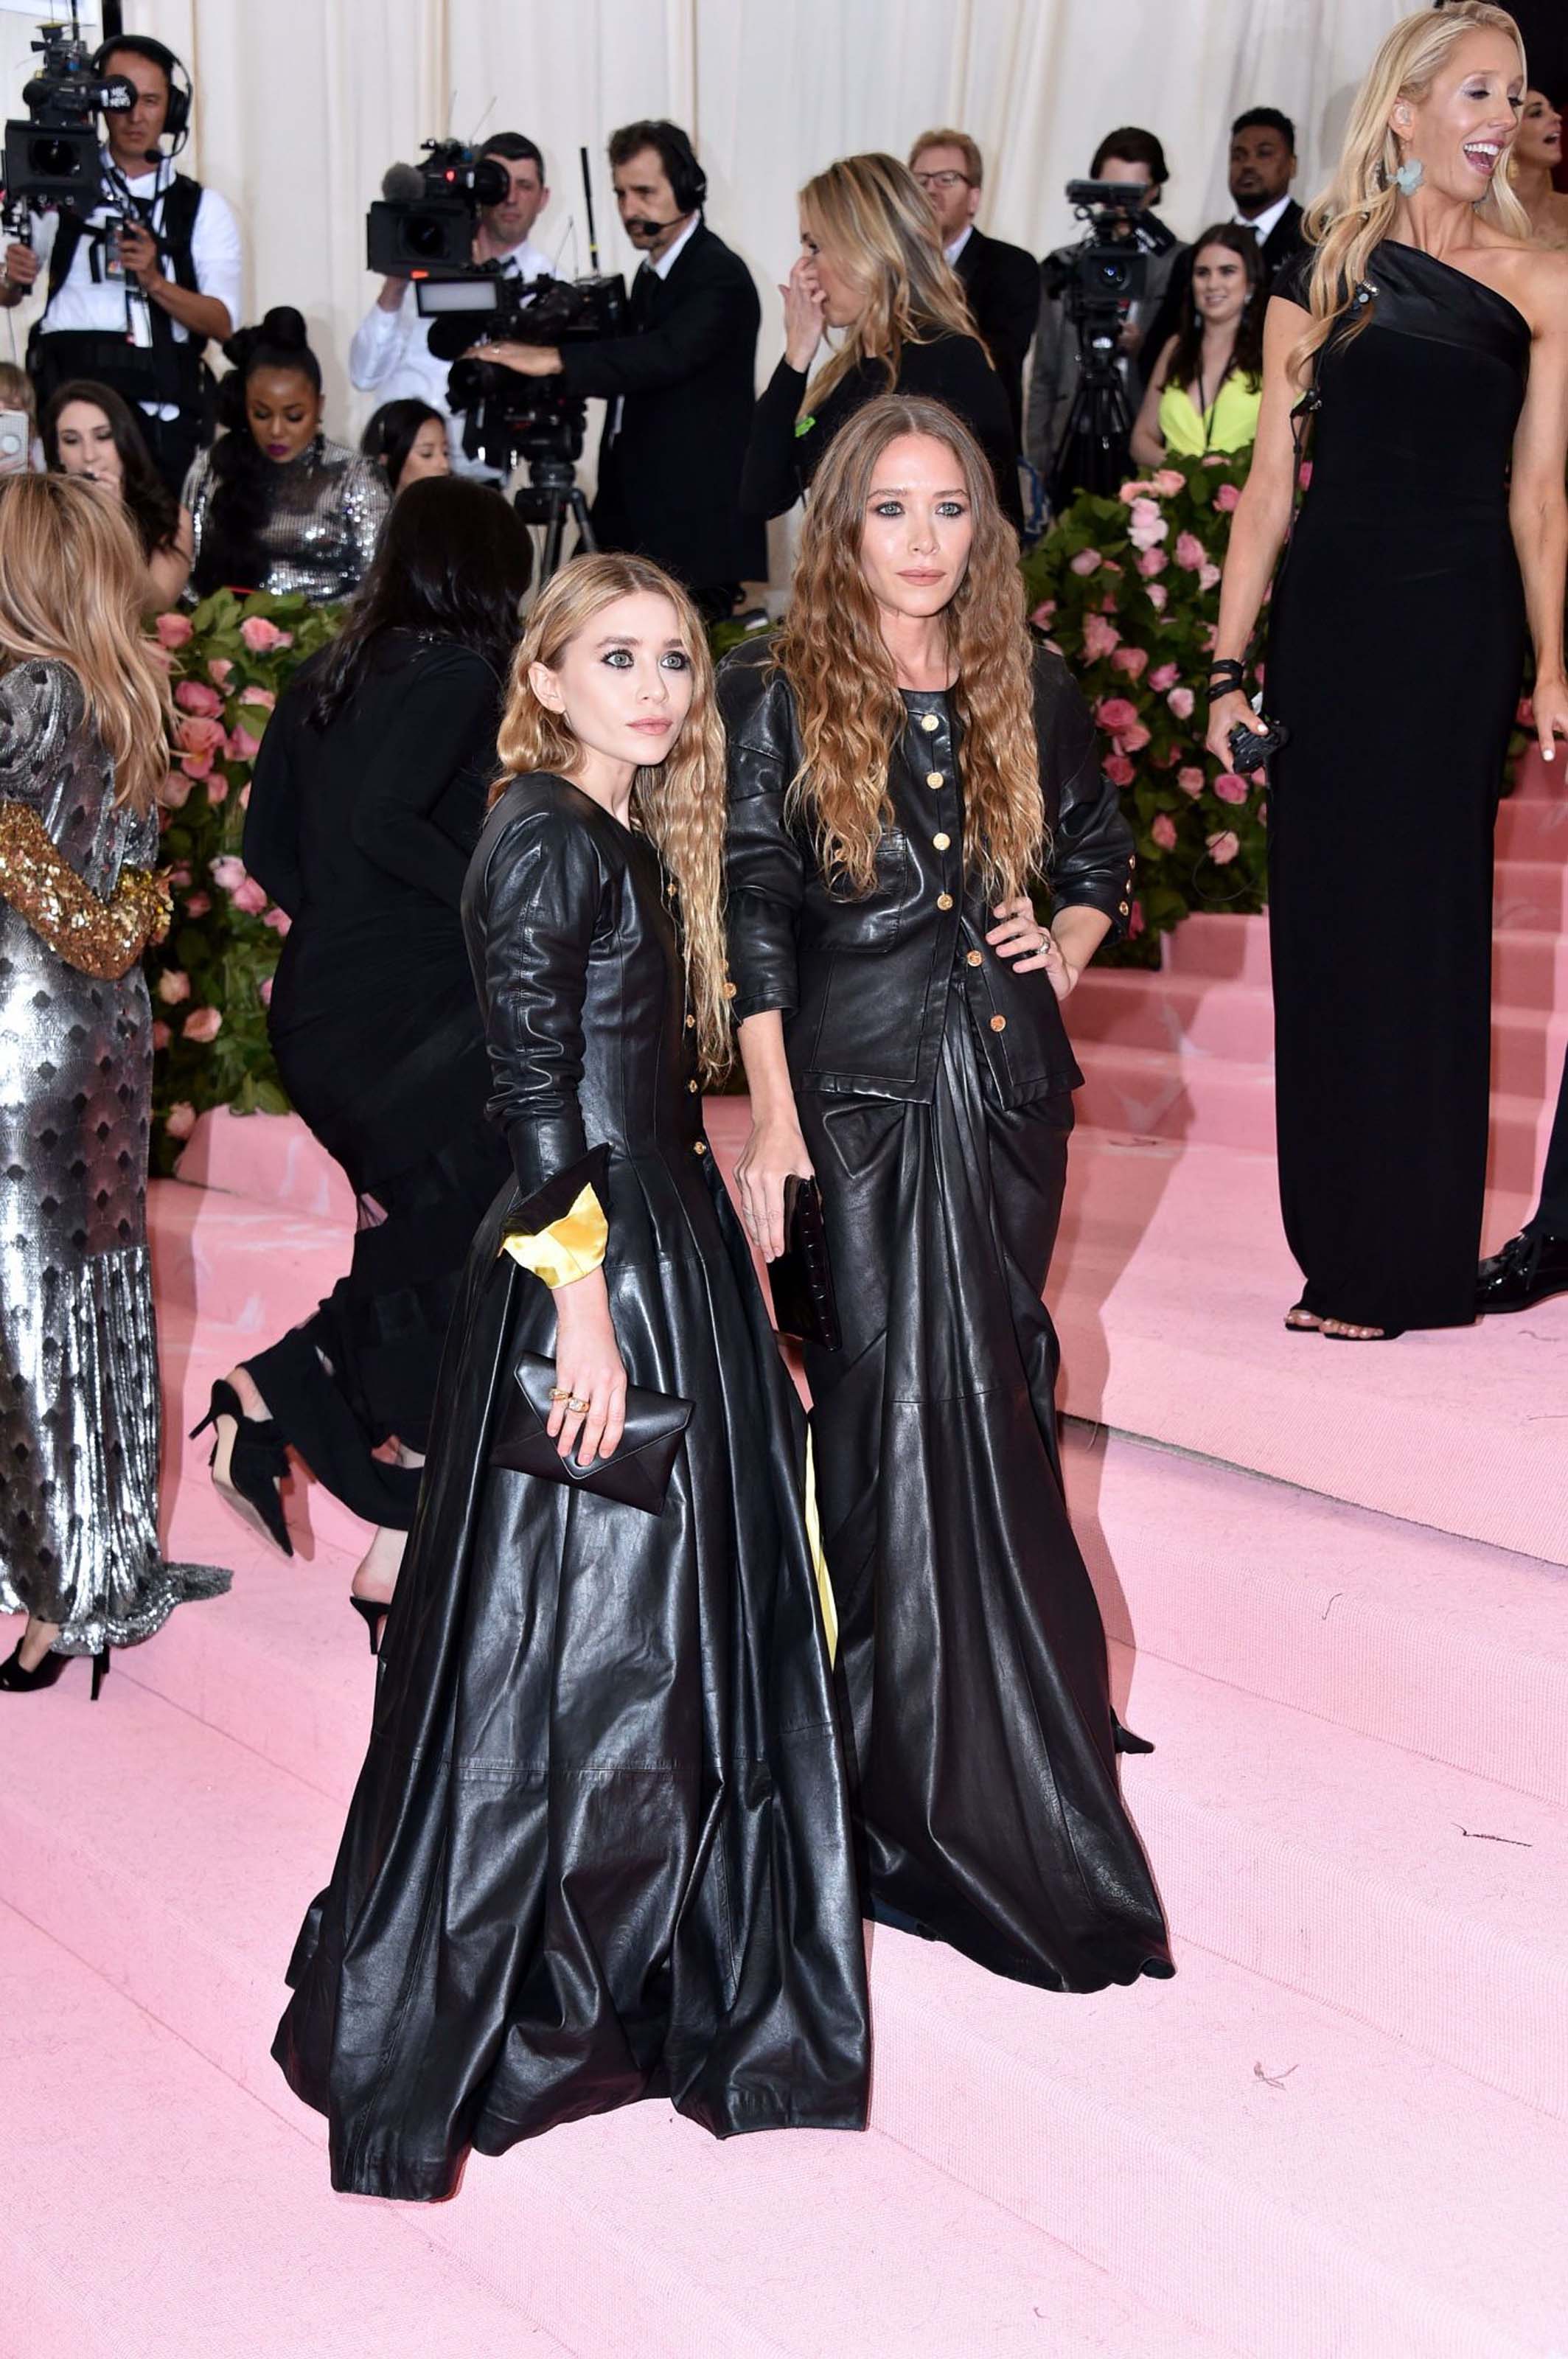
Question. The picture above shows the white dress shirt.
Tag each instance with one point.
(390, 354)
(959, 243)
(98, 305)
(1262, 225)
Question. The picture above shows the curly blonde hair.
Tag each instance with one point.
(72, 581)
(1359, 206)
(870, 214)
(678, 804)
(847, 700)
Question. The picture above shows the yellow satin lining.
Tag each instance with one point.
(819, 1561)
(569, 1248)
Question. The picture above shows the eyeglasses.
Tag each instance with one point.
(944, 179)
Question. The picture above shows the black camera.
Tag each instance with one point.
(53, 158)
(1109, 268)
(424, 219)
(507, 416)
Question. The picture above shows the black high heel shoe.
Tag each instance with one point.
(248, 1463)
(14, 1680)
(373, 1612)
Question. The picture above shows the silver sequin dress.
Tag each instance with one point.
(79, 1380)
(326, 510)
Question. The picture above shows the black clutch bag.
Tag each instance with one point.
(636, 1474)
(801, 1278)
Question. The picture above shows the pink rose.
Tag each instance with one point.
(217, 788)
(1158, 594)
(218, 670)
(1224, 847)
(195, 696)
(1162, 677)
(197, 734)
(1146, 526)
(1116, 713)
(1208, 574)
(227, 872)
(1168, 481)
(1119, 770)
(1110, 566)
(261, 636)
(175, 791)
(161, 1035)
(249, 896)
(264, 697)
(181, 876)
(1163, 830)
(1130, 492)
(181, 1120)
(1101, 637)
(1086, 562)
(243, 746)
(1189, 552)
(1525, 716)
(196, 765)
(198, 903)
(1191, 781)
(1043, 613)
(1208, 637)
(203, 1024)
(1132, 661)
(1180, 703)
(264, 991)
(1230, 788)
(1306, 475)
(1133, 740)
(173, 630)
(173, 985)
(279, 920)
(1152, 562)
(1226, 498)
(1134, 922)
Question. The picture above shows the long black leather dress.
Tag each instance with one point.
(933, 1086)
(600, 1849)
(1394, 656)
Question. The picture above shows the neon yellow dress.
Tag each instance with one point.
(1229, 424)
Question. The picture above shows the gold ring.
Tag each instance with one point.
(575, 1405)
(561, 1392)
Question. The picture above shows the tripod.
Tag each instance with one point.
(553, 495)
(1093, 455)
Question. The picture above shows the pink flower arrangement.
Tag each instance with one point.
(1163, 828)
(203, 1024)
(196, 905)
(1181, 701)
(1133, 740)
(1043, 613)
(161, 1034)
(250, 896)
(262, 637)
(1224, 847)
(1169, 481)
(264, 991)
(1119, 769)
(195, 696)
(1227, 498)
(1147, 527)
(264, 699)
(173, 631)
(180, 1119)
(279, 920)
(1162, 677)
(1116, 713)
(217, 788)
(227, 872)
(1134, 662)
(1101, 638)
(1086, 562)
(1304, 474)
(173, 985)
(1137, 490)
(1157, 594)
(1231, 789)
(1152, 563)
(1191, 781)
(175, 791)
(243, 746)
(218, 670)
(1191, 554)
(1208, 574)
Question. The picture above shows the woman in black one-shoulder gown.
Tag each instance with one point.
(1395, 657)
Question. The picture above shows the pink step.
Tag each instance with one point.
(1531, 893)
(1533, 827)
(191, 1913)
(1437, 1644)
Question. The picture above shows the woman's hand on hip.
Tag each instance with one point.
(774, 1152)
(1549, 703)
(1021, 938)
(1224, 713)
(589, 1370)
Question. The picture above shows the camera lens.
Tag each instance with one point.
(423, 237)
(54, 160)
(492, 181)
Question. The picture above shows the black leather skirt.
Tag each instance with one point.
(971, 1645)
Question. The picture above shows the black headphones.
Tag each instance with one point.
(688, 181)
(177, 122)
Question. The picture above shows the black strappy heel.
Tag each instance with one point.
(248, 1463)
(14, 1680)
(373, 1612)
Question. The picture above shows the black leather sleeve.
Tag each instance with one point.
(764, 862)
(543, 898)
(1091, 851)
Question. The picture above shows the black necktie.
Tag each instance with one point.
(643, 288)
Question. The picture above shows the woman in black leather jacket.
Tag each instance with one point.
(901, 760)
(601, 1848)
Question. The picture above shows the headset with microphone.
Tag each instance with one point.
(688, 181)
(177, 121)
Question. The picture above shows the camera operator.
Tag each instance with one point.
(390, 353)
(136, 291)
(681, 387)
(1135, 158)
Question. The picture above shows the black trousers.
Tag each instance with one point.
(1551, 1212)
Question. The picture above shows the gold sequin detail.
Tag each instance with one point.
(100, 938)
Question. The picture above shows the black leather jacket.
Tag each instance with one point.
(863, 984)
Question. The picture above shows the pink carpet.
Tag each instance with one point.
(1335, 1582)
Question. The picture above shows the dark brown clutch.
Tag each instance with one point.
(637, 1474)
(801, 1279)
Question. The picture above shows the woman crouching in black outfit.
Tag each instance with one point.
(368, 800)
(902, 761)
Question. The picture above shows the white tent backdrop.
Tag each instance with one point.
(301, 104)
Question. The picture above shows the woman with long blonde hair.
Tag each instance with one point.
(1426, 340)
(82, 752)
(600, 1849)
(872, 267)
(905, 764)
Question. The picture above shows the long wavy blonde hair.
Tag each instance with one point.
(870, 215)
(73, 579)
(678, 804)
(1358, 207)
(847, 700)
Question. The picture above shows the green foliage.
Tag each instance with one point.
(222, 945)
(1127, 589)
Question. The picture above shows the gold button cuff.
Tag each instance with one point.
(976, 958)
(942, 842)
(935, 779)
(698, 1149)
(944, 900)
(930, 721)
(691, 1087)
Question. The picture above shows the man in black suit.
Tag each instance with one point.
(1262, 166)
(681, 387)
(1001, 281)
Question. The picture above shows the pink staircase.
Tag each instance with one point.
(1335, 1582)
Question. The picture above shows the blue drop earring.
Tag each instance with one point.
(1408, 178)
